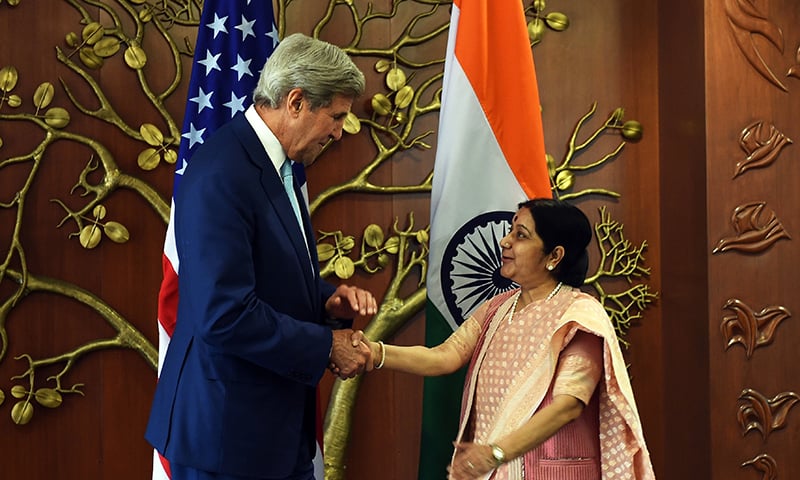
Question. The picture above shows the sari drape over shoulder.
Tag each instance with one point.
(550, 326)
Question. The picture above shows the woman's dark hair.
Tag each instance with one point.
(560, 223)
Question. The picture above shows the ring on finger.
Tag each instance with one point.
(470, 465)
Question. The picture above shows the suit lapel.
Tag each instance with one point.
(273, 187)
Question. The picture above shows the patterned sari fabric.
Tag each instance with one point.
(513, 372)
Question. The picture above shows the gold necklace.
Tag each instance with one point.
(547, 299)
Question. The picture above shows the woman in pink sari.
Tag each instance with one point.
(547, 395)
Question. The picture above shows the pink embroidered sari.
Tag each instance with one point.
(511, 377)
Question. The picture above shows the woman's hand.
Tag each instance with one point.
(471, 461)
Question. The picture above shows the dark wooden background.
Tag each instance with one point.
(675, 66)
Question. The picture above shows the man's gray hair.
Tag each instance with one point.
(320, 69)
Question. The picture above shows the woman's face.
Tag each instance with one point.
(524, 259)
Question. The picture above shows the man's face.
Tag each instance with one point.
(314, 129)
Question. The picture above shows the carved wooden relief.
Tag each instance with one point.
(757, 228)
(794, 70)
(765, 464)
(747, 22)
(762, 143)
(748, 328)
(757, 32)
(757, 412)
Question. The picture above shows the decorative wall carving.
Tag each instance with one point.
(757, 412)
(762, 143)
(794, 70)
(563, 174)
(50, 114)
(748, 328)
(757, 228)
(765, 464)
(746, 21)
(761, 41)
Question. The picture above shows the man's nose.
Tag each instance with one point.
(337, 132)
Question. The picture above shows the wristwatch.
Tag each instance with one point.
(498, 454)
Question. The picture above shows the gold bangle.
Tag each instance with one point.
(383, 355)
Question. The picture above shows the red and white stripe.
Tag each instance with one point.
(167, 313)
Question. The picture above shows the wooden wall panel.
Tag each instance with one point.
(606, 56)
(751, 49)
(682, 75)
(98, 434)
(685, 445)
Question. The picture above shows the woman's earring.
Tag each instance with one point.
(550, 267)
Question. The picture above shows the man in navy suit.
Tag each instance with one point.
(256, 323)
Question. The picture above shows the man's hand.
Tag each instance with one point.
(351, 354)
(348, 301)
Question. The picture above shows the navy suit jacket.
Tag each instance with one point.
(237, 388)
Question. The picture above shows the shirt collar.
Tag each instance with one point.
(266, 137)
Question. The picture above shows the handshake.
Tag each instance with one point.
(353, 354)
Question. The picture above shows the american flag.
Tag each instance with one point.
(234, 40)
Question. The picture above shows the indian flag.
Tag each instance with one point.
(490, 157)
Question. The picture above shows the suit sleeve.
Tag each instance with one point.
(335, 323)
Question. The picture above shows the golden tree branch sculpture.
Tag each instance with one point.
(620, 259)
(103, 174)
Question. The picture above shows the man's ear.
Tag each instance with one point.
(294, 101)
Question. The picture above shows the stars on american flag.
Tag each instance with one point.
(230, 52)
(273, 34)
(242, 66)
(218, 25)
(194, 136)
(236, 104)
(211, 62)
(246, 27)
(202, 100)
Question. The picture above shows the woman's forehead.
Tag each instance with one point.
(523, 217)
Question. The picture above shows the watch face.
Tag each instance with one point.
(498, 454)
